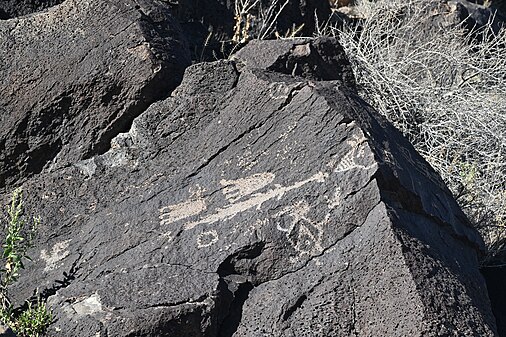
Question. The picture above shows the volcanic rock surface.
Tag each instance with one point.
(14, 8)
(256, 202)
(74, 76)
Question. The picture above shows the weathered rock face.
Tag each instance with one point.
(14, 8)
(472, 16)
(256, 203)
(73, 77)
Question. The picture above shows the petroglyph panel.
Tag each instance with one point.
(242, 194)
(255, 201)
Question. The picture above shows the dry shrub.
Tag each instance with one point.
(445, 89)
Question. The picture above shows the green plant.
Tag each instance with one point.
(34, 321)
(19, 236)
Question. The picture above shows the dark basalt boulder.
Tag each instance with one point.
(472, 16)
(74, 76)
(255, 203)
(320, 60)
(13, 8)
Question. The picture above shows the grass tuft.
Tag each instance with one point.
(444, 87)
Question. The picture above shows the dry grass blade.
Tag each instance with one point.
(445, 89)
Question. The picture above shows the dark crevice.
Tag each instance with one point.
(175, 304)
(238, 75)
(235, 263)
(234, 287)
(233, 318)
(294, 307)
(495, 277)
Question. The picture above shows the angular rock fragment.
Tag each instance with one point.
(321, 59)
(73, 77)
(255, 203)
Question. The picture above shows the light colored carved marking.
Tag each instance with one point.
(278, 90)
(302, 50)
(356, 139)
(297, 212)
(194, 206)
(236, 189)
(173, 213)
(88, 306)
(347, 163)
(308, 238)
(349, 160)
(207, 239)
(335, 200)
(307, 242)
(256, 200)
(58, 253)
(142, 51)
(247, 160)
(287, 132)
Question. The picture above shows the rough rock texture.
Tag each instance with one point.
(255, 203)
(14, 8)
(6, 331)
(473, 16)
(320, 60)
(73, 77)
